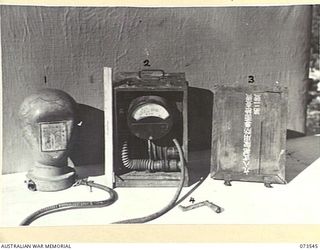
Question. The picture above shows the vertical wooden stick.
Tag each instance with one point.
(108, 126)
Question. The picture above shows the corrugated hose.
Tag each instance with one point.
(173, 201)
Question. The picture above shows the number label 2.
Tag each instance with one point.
(146, 63)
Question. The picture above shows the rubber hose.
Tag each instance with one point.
(113, 196)
(74, 205)
(140, 164)
(171, 204)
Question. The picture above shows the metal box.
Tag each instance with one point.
(249, 134)
(154, 84)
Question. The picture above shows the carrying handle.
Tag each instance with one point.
(151, 74)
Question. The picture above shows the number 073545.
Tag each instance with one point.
(309, 246)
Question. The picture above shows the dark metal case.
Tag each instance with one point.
(129, 86)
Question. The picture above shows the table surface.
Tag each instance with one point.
(296, 202)
(243, 203)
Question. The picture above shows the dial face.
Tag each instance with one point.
(148, 110)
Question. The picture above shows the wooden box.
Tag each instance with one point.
(128, 86)
(249, 134)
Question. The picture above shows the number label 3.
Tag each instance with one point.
(250, 79)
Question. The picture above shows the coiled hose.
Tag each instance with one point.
(171, 204)
(140, 164)
(74, 205)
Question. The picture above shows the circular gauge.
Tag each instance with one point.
(148, 110)
(149, 117)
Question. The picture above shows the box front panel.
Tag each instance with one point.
(248, 135)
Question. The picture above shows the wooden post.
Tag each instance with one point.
(108, 127)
